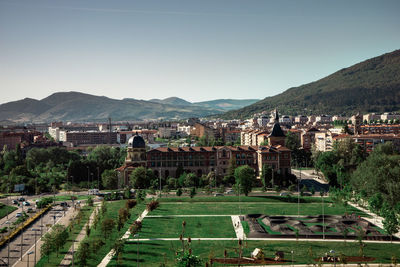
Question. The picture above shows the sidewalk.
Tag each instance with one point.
(377, 220)
(68, 257)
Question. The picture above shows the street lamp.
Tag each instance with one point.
(334, 256)
(88, 178)
(35, 231)
(29, 253)
(8, 244)
(137, 244)
(292, 256)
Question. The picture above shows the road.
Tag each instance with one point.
(311, 180)
(26, 239)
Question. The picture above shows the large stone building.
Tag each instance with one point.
(165, 161)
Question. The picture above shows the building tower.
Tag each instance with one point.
(357, 123)
(277, 136)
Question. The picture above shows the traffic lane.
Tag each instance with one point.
(26, 239)
(318, 187)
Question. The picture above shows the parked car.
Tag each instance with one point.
(21, 199)
(15, 202)
(26, 203)
(230, 192)
(19, 214)
(218, 195)
(30, 210)
(284, 194)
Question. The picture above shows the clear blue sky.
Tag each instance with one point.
(197, 50)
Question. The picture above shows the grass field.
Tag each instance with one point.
(266, 198)
(4, 210)
(155, 253)
(53, 260)
(232, 208)
(166, 227)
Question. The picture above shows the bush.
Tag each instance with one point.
(90, 201)
(135, 227)
(153, 205)
(131, 203)
(179, 192)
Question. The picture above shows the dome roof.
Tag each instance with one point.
(136, 141)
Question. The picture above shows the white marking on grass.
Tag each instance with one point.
(237, 225)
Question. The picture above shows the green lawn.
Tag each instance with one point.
(53, 260)
(231, 208)
(4, 210)
(154, 253)
(166, 227)
(233, 198)
(95, 257)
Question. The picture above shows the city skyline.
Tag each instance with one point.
(195, 51)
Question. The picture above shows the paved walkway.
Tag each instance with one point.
(74, 247)
(261, 239)
(110, 254)
(377, 220)
(237, 225)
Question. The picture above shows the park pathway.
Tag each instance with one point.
(110, 254)
(260, 239)
(377, 220)
(67, 261)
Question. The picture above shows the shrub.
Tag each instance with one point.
(153, 205)
(135, 227)
(179, 192)
(131, 203)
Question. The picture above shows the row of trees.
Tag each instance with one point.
(45, 170)
(372, 180)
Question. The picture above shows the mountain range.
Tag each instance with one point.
(80, 107)
(369, 86)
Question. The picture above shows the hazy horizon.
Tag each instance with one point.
(197, 51)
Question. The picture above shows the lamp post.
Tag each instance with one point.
(29, 253)
(98, 178)
(292, 256)
(35, 231)
(8, 244)
(88, 172)
(323, 215)
(334, 257)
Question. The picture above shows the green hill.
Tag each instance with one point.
(370, 86)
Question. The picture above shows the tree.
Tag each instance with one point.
(107, 226)
(109, 179)
(230, 176)
(141, 177)
(179, 192)
(191, 180)
(83, 253)
(60, 236)
(47, 246)
(192, 192)
(266, 175)
(245, 178)
(390, 223)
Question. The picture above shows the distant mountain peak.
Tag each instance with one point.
(369, 86)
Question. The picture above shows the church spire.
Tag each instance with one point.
(276, 116)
